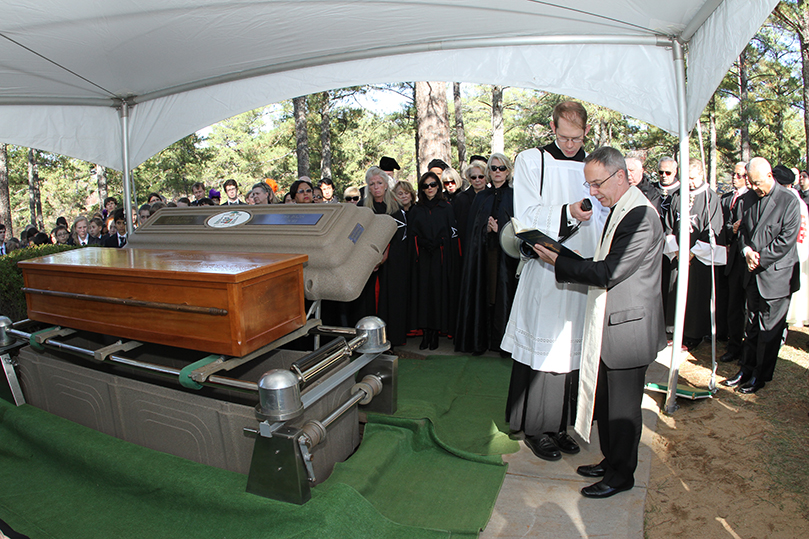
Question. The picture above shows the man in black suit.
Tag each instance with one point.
(767, 238)
(730, 282)
(625, 328)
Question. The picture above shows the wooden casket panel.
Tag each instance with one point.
(224, 303)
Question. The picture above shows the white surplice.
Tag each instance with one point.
(546, 324)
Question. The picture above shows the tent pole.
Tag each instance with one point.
(683, 240)
(127, 180)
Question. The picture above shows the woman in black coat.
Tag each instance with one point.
(386, 293)
(488, 279)
(434, 298)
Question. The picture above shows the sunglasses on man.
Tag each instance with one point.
(352, 199)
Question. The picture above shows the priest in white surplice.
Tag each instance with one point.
(544, 331)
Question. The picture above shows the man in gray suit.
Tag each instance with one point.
(767, 237)
(625, 326)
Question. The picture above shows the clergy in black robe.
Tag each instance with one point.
(705, 221)
(488, 278)
(386, 293)
(434, 300)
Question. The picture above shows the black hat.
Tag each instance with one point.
(437, 163)
(478, 158)
(783, 175)
(389, 163)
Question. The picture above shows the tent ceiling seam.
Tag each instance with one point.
(57, 64)
(596, 16)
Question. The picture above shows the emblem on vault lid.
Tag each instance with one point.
(228, 219)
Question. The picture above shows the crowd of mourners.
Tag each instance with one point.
(447, 272)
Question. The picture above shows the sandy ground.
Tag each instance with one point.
(734, 466)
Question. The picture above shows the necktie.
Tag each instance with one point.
(121, 241)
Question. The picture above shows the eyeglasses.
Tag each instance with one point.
(450, 182)
(574, 140)
(481, 177)
(665, 172)
(500, 168)
(742, 175)
(429, 185)
(352, 199)
(598, 185)
(318, 197)
(304, 191)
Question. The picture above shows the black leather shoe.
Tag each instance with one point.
(752, 385)
(738, 379)
(543, 447)
(593, 470)
(727, 357)
(434, 340)
(691, 344)
(425, 340)
(600, 490)
(565, 443)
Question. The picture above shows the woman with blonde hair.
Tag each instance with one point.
(386, 293)
(79, 234)
(405, 194)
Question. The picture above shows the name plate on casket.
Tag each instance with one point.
(223, 303)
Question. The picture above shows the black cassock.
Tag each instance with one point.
(706, 217)
(461, 204)
(488, 279)
(386, 293)
(434, 297)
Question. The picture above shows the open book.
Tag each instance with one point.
(532, 236)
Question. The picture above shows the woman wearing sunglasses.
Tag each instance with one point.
(488, 279)
(435, 287)
(302, 192)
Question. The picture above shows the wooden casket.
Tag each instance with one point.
(223, 303)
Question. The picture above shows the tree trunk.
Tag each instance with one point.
(34, 200)
(301, 140)
(498, 132)
(460, 133)
(5, 195)
(101, 181)
(712, 155)
(432, 122)
(325, 137)
(803, 38)
(744, 115)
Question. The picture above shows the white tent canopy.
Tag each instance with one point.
(182, 65)
(115, 82)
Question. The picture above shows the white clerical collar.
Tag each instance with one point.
(741, 190)
(701, 189)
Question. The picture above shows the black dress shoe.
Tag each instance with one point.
(738, 379)
(543, 447)
(593, 470)
(691, 344)
(752, 385)
(601, 490)
(434, 340)
(727, 357)
(425, 340)
(565, 443)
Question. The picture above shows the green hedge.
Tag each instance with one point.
(12, 299)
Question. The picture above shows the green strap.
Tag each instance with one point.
(185, 373)
(33, 342)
